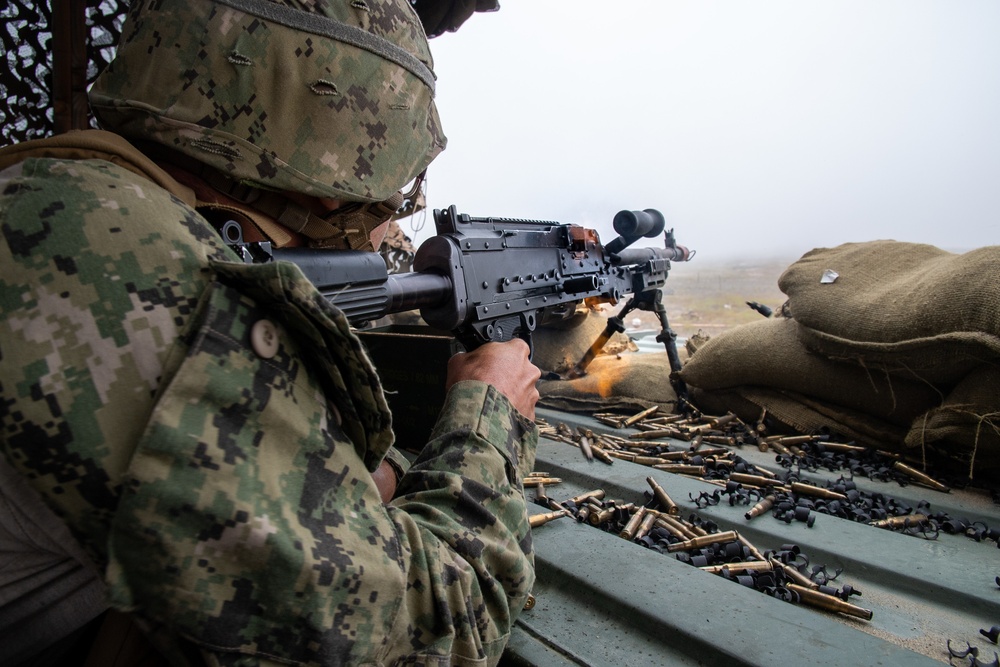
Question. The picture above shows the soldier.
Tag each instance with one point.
(197, 442)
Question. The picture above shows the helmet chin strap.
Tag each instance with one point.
(347, 227)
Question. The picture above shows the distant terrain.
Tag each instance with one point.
(710, 295)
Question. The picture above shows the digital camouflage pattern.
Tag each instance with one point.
(228, 494)
(337, 103)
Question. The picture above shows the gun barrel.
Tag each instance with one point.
(632, 256)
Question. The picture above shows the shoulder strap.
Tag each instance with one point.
(100, 145)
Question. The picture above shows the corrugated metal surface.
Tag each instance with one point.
(602, 600)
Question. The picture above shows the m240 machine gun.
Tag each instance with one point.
(491, 279)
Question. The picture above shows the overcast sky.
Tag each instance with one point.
(759, 128)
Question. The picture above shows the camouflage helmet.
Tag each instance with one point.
(330, 98)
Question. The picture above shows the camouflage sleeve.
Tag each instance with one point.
(461, 512)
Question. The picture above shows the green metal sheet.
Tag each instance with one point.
(603, 600)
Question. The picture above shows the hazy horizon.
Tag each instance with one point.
(759, 129)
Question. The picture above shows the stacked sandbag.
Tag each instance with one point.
(891, 344)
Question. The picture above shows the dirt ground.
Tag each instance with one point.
(710, 295)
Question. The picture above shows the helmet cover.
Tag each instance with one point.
(324, 97)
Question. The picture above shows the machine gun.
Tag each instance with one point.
(491, 279)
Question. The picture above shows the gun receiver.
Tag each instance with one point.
(490, 279)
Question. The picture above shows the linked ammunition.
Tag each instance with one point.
(829, 602)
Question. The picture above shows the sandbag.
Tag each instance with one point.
(788, 412)
(768, 353)
(909, 309)
(966, 426)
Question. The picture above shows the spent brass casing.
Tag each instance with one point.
(790, 440)
(900, 521)
(666, 502)
(537, 520)
(795, 575)
(648, 460)
(753, 480)
(540, 492)
(628, 532)
(530, 602)
(829, 602)
(780, 448)
(638, 416)
(535, 481)
(843, 447)
(602, 517)
(675, 527)
(711, 451)
(648, 520)
(754, 551)
(752, 566)
(586, 448)
(602, 456)
(760, 508)
(723, 420)
(920, 477)
(654, 434)
(719, 440)
(596, 493)
(817, 492)
(704, 541)
(681, 469)
(625, 456)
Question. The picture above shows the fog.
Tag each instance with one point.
(760, 129)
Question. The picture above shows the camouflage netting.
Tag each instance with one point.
(26, 85)
(900, 351)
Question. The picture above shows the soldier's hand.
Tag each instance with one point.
(503, 365)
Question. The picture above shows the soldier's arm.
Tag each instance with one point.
(461, 513)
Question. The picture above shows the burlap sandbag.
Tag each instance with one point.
(768, 353)
(966, 426)
(626, 381)
(788, 412)
(908, 308)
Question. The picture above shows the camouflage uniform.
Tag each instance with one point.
(208, 429)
